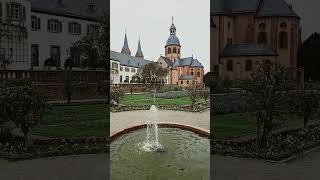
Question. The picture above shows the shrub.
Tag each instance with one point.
(116, 94)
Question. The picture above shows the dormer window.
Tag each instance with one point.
(16, 12)
(54, 26)
(74, 28)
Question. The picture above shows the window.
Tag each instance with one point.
(92, 29)
(34, 55)
(126, 69)
(139, 70)
(229, 40)
(133, 70)
(169, 50)
(74, 28)
(248, 65)
(121, 68)
(262, 38)
(16, 11)
(35, 23)
(198, 74)
(262, 26)
(229, 25)
(181, 82)
(121, 79)
(55, 55)
(229, 65)
(75, 56)
(178, 50)
(283, 40)
(187, 82)
(0, 10)
(174, 50)
(115, 65)
(54, 26)
(127, 79)
(2, 54)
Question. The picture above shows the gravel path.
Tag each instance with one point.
(123, 120)
(229, 168)
(84, 167)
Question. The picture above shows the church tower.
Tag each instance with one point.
(125, 48)
(173, 47)
(139, 53)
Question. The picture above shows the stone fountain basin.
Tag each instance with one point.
(186, 155)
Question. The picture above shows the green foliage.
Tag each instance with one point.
(153, 75)
(116, 94)
(268, 95)
(22, 104)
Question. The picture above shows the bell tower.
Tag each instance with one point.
(173, 47)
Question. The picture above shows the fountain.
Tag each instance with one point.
(187, 155)
(152, 139)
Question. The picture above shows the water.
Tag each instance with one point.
(152, 137)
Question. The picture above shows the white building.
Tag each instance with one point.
(31, 31)
(123, 66)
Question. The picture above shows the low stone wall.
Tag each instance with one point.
(51, 83)
(134, 88)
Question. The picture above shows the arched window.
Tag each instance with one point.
(248, 65)
(174, 50)
(283, 40)
(262, 35)
(133, 70)
(229, 65)
(178, 50)
(169, 50)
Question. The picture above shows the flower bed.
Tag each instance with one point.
(198, 107)
(282, 145)
(15, 151)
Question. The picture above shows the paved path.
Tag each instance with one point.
(229, 168)
(84, 167)
(123, 120)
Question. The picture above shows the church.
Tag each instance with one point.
(181, 71)
(246, 33)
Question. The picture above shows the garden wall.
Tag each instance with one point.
(52, 83)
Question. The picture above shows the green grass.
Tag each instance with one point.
(237, 125)
(74, 121)
(146, 99)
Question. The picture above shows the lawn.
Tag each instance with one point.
(147, 99)
(237, 125)
(74, 121)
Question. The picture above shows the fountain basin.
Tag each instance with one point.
(185, 154)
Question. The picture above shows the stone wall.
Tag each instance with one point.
(52, 83)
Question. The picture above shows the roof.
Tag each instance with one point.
(189, 61)
(71, 8)
(173, 40)
(235, 50)
(260, 7)
(167, 60)
(139, 51)
(186, 77)
(127, 60)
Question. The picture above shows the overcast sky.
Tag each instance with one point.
(151, 20)
(309, 11)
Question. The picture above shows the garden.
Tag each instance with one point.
(271, 118)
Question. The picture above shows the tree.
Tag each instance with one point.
(116, 94)
(205, 94)
(69, 84)
(267, 95)
(192, 93)
(305, 102)
(22, 104)
(153, 75)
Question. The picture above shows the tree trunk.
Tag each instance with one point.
(305, 121)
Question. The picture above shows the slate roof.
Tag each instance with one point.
(235, 50)
(186, 77)
(266, 8)
(167, 60)
(126, 60)
(189, 61)
(173, 40)
(71, 8)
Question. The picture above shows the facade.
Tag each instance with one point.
(246, 33)
(124, 67)
(43, 29)
(181, 71)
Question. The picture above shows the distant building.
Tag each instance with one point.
(124, 67)
(32, 31)
(246, 33)
(181, 71)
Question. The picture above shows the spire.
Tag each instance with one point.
(139, 51)
(125, 48)
(172, 28)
